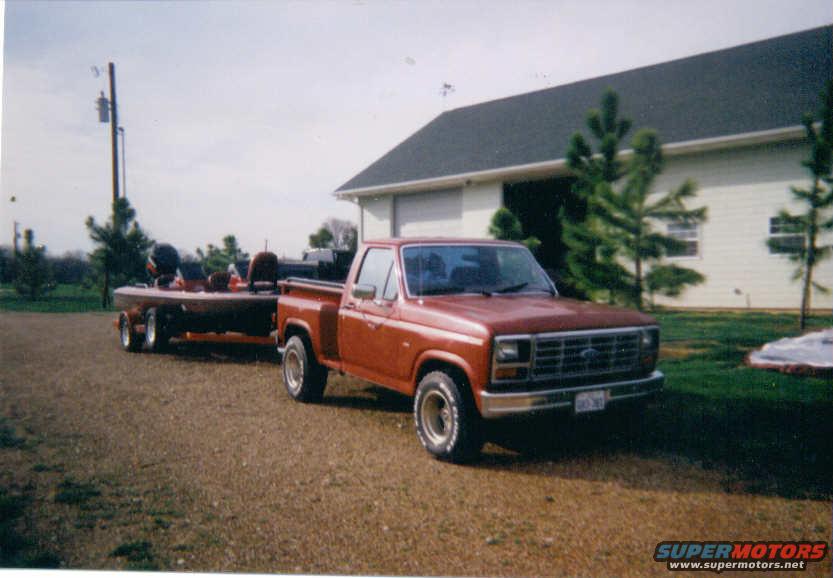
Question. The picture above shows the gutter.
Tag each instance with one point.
(559, 166)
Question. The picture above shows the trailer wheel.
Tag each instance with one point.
(303, 377)
(447, 422)
(156, 337)
(130, 340)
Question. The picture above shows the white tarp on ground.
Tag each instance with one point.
(810, 354)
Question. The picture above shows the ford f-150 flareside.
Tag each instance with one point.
(472, 329)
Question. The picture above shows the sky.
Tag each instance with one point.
(243, 117)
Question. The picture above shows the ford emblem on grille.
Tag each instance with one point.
(589, 354)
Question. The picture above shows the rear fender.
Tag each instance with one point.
(293, 326)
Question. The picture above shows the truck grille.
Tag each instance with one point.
(578, 355)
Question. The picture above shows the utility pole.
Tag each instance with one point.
(123, 165)
(108, 112)
(114, 129)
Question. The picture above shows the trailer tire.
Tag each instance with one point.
(447, 422)
(303, 377)
(130, 340)
(156, 337)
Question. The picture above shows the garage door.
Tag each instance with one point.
(434, 214)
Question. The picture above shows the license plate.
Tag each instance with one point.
(590, 401)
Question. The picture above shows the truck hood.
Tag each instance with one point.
(511, 314)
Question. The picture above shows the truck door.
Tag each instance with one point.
(368, 327)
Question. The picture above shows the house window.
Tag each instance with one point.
(785, 236)
(689, 234)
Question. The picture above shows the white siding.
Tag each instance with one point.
(431, 214)
(376, 217)
(742, 189)
(480, 201)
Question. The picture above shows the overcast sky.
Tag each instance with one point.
(244, 117)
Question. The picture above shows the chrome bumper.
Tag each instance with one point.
(499, 404)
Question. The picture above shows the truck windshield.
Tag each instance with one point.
(487, 269)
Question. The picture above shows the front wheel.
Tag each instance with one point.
(130, 340)
(303, 377)
(447, 423)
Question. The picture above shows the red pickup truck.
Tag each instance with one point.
(472, 329)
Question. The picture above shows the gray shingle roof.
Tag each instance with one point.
(754, 87)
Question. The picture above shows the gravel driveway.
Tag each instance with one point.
(201, 454)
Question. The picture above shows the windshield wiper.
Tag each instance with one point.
(511, 288)
(443, 290)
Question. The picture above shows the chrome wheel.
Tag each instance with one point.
(293, 371)
(437, 417)
(124, 328)
(150, 329)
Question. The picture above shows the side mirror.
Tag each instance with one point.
(364, 291)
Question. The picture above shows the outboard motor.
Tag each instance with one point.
(162, 263)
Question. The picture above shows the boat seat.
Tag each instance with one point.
(263, 272)
(218, 281)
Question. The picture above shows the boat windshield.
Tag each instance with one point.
(486, 269)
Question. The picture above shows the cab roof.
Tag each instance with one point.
(400, 241)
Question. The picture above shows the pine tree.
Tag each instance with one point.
(214, 258)
(32, 268)
(591, 265)
(817, 200)
(628, 213)
(121, 248)
(507, 227)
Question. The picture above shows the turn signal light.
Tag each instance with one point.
(506, 372)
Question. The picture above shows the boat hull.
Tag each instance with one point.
(183, 311)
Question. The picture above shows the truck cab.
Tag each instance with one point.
(472, 329)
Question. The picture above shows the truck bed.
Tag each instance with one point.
(313, 304)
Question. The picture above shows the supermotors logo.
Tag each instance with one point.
(751, 556)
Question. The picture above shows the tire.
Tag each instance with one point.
(156, 337)
(129, 339)
(303, 377)
(447, 422)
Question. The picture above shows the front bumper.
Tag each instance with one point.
(494, 405)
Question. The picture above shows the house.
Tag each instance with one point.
(729, 119)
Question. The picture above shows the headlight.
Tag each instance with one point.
(511, 358)
(650, 339)
(649, 348)
(506, 351)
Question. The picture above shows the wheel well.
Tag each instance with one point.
(454, 371)
(293, 330)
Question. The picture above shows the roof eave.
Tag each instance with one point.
(559, 166)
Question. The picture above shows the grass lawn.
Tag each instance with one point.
(774, 431)
(61, 299)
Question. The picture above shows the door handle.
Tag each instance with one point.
(350, 306)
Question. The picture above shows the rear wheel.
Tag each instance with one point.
(303, 377)
(130, 340)
(156, 337)
(447, 423)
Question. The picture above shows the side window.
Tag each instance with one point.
(786, 236)
(687, 233)
(377, 270)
